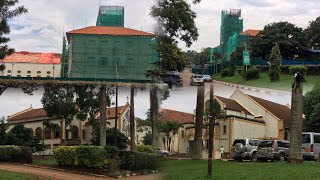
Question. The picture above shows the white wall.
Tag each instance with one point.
(13, 68)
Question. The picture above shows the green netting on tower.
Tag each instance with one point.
(231, 23)
(111, 16)
(64, 59)
(105, 56)
(235, 41)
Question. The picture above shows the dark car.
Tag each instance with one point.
(173, 80)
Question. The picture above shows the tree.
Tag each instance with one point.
(8, 10)
(147, 139)
(3, 129)
(132, 118)
(295, 153)
(170, 129)
(291, 39)
(22, 136)
(311, 110)
(275, 60)
(122, 140)
(313, 34)
(59, 103)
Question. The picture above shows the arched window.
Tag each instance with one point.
(47, 133)
(39, 133)
(57, 132)
(75, 132)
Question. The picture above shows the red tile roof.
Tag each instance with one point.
(111, 112)
(281, 111)
(108, 30)
(32, 57)
(171, 115)
(28, 114)
(251, 32)
(233, 105)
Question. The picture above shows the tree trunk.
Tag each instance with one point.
(154, 114)
(61, 132)
(295, 154)
(65, 132)
(103, 119)
(211, 132)
(80, 129)
(197, 150)
(116, 120)
(132, 124)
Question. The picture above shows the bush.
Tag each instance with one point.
(298, 68)
(65, 155)
(145, 148)
(7, 153)
(225, 73)
(92, 157)
(24, 156)
(137, 161)
(252, 73)
(111, 151)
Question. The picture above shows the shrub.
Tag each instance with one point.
(145, 148)
(111, 151)
(252, 73)
(92, 157)
(7, 153)
(225, 73)
(65, 155)
(24, 156)
(137, 161)
(298, 68)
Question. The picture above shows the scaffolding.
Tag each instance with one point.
(231, 24)
(111, 16)
(111, 57)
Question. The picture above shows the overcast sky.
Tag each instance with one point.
(42, 28)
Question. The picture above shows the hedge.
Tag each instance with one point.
(311, 69)
(145, 148)
(15, 154)
(92, 157)
(298, 68)
(252, 73)
(65, 155)
(137, 161)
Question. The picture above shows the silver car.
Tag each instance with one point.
(311, 145)
(196, 80)
(163, 153)
(273, 150)
(245, 149)
(207, 78)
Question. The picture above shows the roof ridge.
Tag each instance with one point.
(19, 113)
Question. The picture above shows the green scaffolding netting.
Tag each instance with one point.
(111, 16)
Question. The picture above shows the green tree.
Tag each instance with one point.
(122, 139)
(275, 60)
(311, 110)
(8, 10)
(147, 139)
(170, 129)
(59, 103)
(313, 34)
(291, 40)
(3, 129)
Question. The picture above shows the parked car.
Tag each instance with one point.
(173, 80)
(162, 152)
(245, 149)
(207, 78)
(311, 145)
(196, 80)
(273, 150)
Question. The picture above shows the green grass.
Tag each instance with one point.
(197, 169)
(264, 82)
(45, 161)
(7, 175)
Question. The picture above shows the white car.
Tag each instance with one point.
(207, 78)
(196, 80)
(162, 152)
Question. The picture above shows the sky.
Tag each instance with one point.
(42, 29)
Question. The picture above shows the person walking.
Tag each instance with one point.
(221, 150)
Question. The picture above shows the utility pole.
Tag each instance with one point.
(116, 118)
(211, 132)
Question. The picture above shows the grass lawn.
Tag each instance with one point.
(264, 82)
(45, 161)
(7, 175)
(197, 169)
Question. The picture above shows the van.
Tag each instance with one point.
(311, 145)
(273, 150)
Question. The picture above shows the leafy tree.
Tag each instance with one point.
(275, 60)
(311, 110)
(313, 34)
(143, 125)
(170, 129)
(59, 103)
(122, 140)
(291, 40)
(147, 139)
(8, 10)
(3, 129)
(22, 136)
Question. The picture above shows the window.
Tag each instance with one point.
(28, 75)
(75, 132)
(48, 72)
(266, 144)
(19, 72)
(182, 134)
(316, 138)
(18, 75)
(39, 133)
(38, 72)
(306, 138)
(9, 71)
(224, 129)
(57, 132)
(103, 61)
(29, 72)
(47, 133)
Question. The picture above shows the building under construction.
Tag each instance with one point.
(109, 51)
